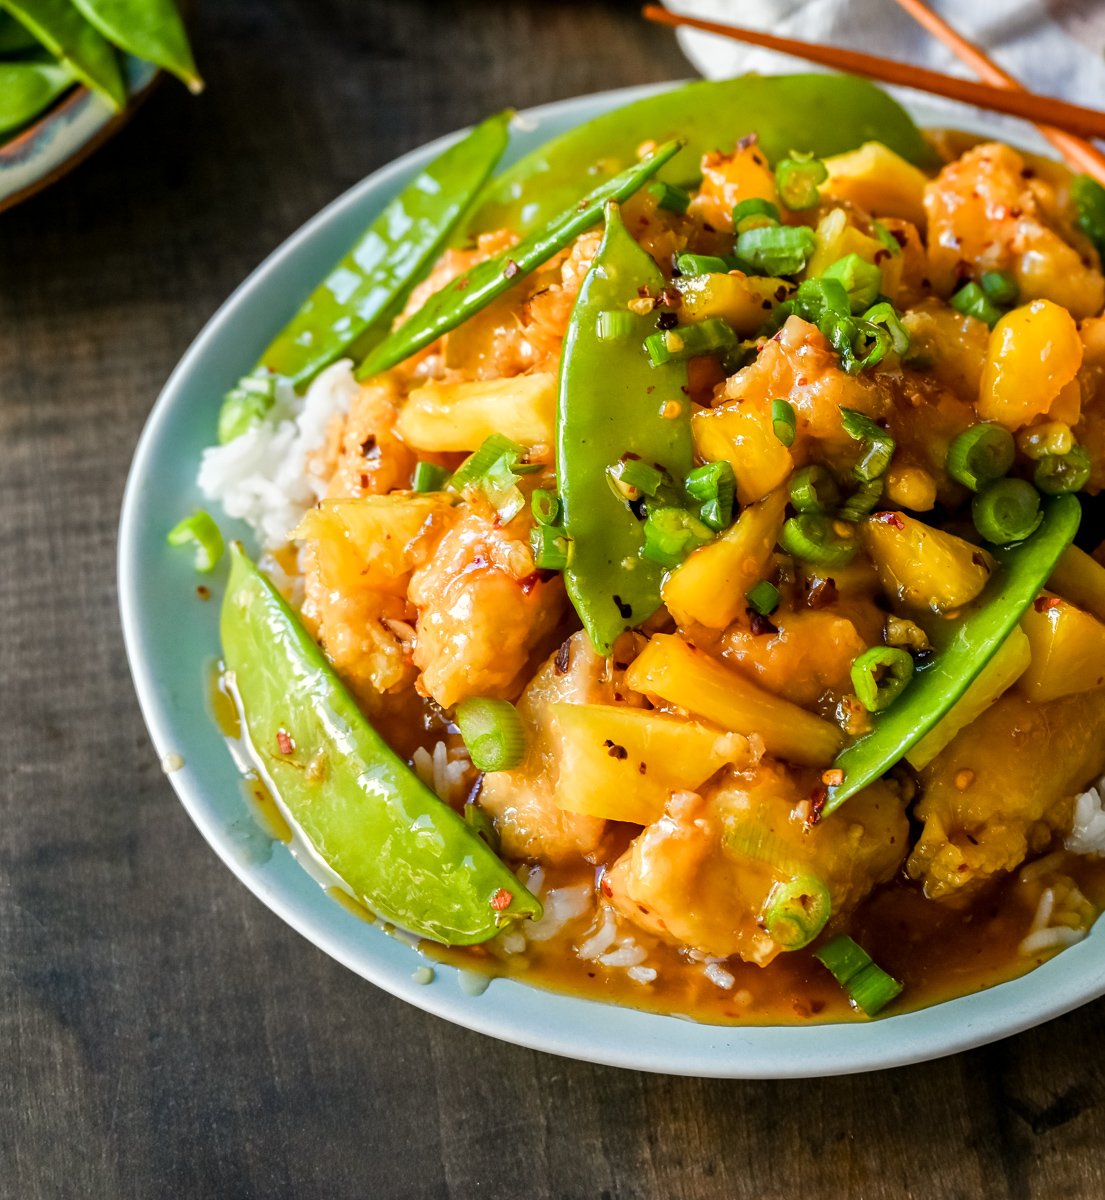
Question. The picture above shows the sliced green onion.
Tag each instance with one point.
(972, 301)
(784, 423)
(1089, 204)
(545, 506)
(549, 544)
(862, 280)
(1056, 473)
(700, 264)
(812, 538)
(246, 404)
(712, 336)
(885, 237)
(201, 531)
(796, 911)
(763, 597)
(776, 249)
(717, 514)
(1000, 286)
(880, 675)
(614, 325)
(878, 445)
(476, 466)
(859, 343)
(428, 477)
(754, 214)
(819, 298)
(670, 197)
(980, 455)
(1007, 511)
(814, 490)
(636, 473)
(493, 733)
(495, 469)
(797, 179)
(886, 316)
(711, 481)
(862, 501)
(671, 534)
(869, 986)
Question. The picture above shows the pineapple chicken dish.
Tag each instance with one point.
(677, 577)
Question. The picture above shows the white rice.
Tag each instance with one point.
(443, 770)
(719, 976)
(265, 476)
(561, 906)
(1087, 833)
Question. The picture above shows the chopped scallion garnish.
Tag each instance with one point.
(754, 214)
(201, 531)
(886, 238)
(763, 597)
(670, 197)
(879, 676)
(796, 911)
(636, 473)
(428, 477)
(776, 249)
(1007, 511)
(671, 534)
(615, 324)
(700, 264)
(1089, 203)
(814, 490)
(1057, 473)
(878, 445)
(549, 544)
(784, 422)
(972, 301)
(712, 336)
(813, 538)
(247, 403)
(862, 501)
(862, 280)
(492, 732)
(495, 469)
(1000, 286)
(885, 316)
(980, 455)
(797, 179)
(869, 986)
(545, 506)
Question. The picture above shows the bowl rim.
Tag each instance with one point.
(510, 1010)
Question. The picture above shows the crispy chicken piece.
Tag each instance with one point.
(529, 821)
(483, 610)
(1003, 788)
(702, 875)
(987, 211)
(367, 457)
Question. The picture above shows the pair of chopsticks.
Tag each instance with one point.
(1065, 125)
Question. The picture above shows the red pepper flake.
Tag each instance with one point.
(616, 751)
(560, 663)
(463, 284)
(821, 592)
(501, 900)
(604, 886)
(817, 804)
(1044, 604)
(511, 268)
(529, 582)
(284, 741)
(748, 141)
(833, 777)
(642, 768)
(203, 592)
(760, 624)
(670, 297)
(890, 518)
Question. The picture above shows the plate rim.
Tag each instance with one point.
(510, 1010)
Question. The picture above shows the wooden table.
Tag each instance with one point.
(161, 1033)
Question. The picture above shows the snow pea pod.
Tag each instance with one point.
(612, 403)
(14, 38)
(149, 29)
(27, 87)
(938, 685)
(825, 114)
(58, 26)
(373, 278)
(463, 297)
(402, 851)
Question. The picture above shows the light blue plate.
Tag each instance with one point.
(172, 639)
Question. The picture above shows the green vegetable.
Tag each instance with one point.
(58, 26)
(201, 531)
(776, 249)
(972, 301)
(359, 296)
(797, 180)
(878, 445)
(763, 597)
(814, 490)
(550, 547)
(28, 87)
(700, 264)
(149, 29)
(463, 297)
(670, 198)
(860, 344)
(754, 213)
(784, 423)
(980, 455)
(1089, 205)
(869, 986)
(818, 113)
(712, 336)
(14, 38)
(1007, 511)
(545, 506)
(938, 684)
(495, 469)
(641, 476)
(1068, 472)
(1000, 286)
(671, 534)
(796, 911)
(428, 477)
(885, 316)
(880, 675)
(614, 402)
(492, 732)
(817, 299)
(862, 501)
(615, 325)
(860, 279)
(403, 852)
(245, 404)
(812, 538)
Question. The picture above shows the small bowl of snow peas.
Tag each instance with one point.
(71, 73)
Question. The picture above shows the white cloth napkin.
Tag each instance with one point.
(1051, 46)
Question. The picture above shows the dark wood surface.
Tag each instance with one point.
(161, 1033)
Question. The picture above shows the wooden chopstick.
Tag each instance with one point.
(1029, 105)
(1080, 154)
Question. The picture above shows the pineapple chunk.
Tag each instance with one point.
(1068, 651)
(1081, 580)
(741, 433)
(680, 674)
(708, 587)
(622, 763)
(837, 237)
(998, 676)
(876, 179)
(923, 567)
(458, 416)
(744, 301)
